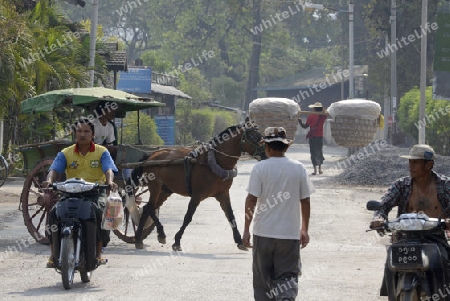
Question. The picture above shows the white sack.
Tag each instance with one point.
(283, 106)
(366, 109)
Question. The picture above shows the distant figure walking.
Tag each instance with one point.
(315, 135)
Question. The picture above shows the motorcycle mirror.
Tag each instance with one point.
(373, 205)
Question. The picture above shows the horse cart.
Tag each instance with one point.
(37, 158)
(198, 171)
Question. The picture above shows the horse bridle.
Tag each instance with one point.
(250, 139)
(244, 138)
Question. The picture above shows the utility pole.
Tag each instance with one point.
(93, 40)
(423, 71)
(350, 29)
(387, 106)
(393, 20)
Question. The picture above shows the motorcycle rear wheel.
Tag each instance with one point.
(85, 276)
(67, 261)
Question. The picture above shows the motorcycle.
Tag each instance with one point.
(415, 267)
(75, 241)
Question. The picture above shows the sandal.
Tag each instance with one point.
(50, 264)
(101, 261)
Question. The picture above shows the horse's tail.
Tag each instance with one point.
(136, 174)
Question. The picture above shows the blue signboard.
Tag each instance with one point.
(136, 80)
(166, 128)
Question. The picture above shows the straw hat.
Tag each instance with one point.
(420, 151)
(316, 105)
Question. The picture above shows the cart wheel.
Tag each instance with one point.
(36, 205)
(128, 229)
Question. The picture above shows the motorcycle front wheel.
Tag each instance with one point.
(67, 261)
(413, 295)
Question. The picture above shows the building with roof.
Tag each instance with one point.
(318, 85)
(142, 81)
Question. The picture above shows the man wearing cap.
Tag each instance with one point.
(278, 204)
(423, 191)
(315, 135)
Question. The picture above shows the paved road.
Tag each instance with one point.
(342, 262)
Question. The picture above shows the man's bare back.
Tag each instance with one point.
(424, 200)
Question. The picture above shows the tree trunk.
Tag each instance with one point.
(253, 75)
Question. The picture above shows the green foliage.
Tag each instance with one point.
(156, 61)
(148, 133)
(166, 34)
(228, 92)
(202, 124)
(38, 129)
(376, 14)
(408, 112)
(183, 116)
(436, 121)
(223, 119)
(193, 83)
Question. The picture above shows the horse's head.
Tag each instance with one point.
(252, 141)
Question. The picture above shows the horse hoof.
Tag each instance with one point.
(162, 240)
(242, 247)
(176, 247)
(139, 245)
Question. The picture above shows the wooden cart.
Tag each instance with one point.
(37, 158)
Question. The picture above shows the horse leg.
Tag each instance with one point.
(193, 204)
(225, 204)
(149, 210)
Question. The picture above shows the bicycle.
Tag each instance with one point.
(4, 170)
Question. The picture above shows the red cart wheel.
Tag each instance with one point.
(36, 205)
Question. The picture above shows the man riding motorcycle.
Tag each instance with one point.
(423, 191)
(91, 162)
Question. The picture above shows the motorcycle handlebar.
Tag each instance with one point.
(97, 186)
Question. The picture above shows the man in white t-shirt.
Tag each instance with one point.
(279, 188)
(104, 130)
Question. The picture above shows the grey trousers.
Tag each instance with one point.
(275, 268)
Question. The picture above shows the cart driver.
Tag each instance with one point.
(104, 128)
(91, 162)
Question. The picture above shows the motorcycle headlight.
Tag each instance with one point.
(412, 224)
(75, 187)
(406, 225)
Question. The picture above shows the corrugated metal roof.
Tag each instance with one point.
(168, 90)
(115, 60)
(304, 80)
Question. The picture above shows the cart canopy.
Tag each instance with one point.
(87, 98)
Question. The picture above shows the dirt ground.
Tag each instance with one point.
(342, 261)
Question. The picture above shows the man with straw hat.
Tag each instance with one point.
(315, 135)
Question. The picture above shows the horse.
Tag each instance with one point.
(206, 171)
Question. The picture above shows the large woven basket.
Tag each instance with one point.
(264, 120)
(275, 111)
(351, 131)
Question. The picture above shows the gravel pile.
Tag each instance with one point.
(376, 168)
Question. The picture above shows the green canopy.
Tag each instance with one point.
(87, 98)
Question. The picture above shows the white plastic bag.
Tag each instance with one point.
(113, 214)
